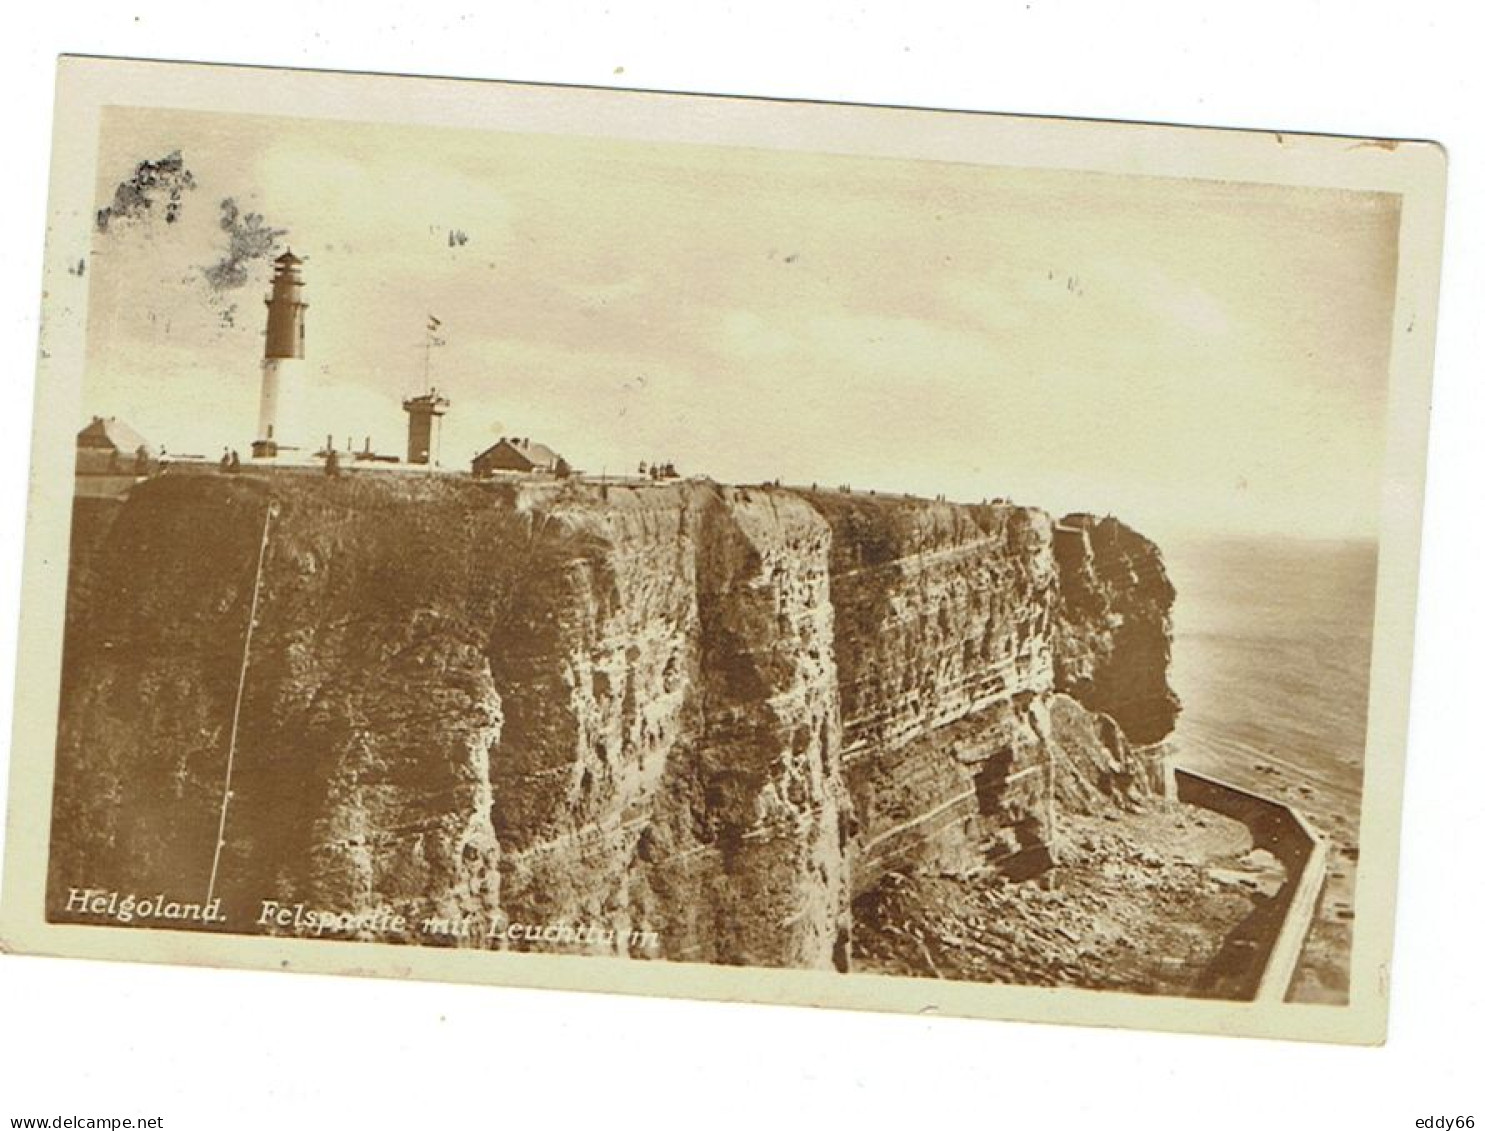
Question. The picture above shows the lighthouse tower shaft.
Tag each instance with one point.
(424, 418)
(283, 362)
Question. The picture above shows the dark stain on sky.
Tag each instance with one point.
(160, 182)
(249, 238)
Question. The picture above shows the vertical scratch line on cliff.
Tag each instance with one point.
(247, 643)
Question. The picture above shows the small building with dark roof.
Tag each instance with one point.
(108, 446)
(519, 454)
(111, 456)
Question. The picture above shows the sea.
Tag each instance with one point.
(1271, 659)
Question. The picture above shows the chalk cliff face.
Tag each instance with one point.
(1113, 630)
(715, 714)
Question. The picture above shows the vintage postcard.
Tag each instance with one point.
(786, 552)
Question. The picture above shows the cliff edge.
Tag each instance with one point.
(709, 720)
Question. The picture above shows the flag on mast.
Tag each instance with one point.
(429, 342)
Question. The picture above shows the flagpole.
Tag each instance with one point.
(428, 343)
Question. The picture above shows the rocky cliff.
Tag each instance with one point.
(717, 715)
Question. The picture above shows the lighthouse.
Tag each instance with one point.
(283, 361)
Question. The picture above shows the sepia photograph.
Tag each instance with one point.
(557, 536)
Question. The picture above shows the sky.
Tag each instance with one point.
(1197, 357)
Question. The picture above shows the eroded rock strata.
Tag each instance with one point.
(720, 715)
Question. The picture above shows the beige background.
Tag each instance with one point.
(1414, 171)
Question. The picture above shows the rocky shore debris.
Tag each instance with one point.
(1141, 904)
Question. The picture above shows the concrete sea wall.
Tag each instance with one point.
(1302, 850)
